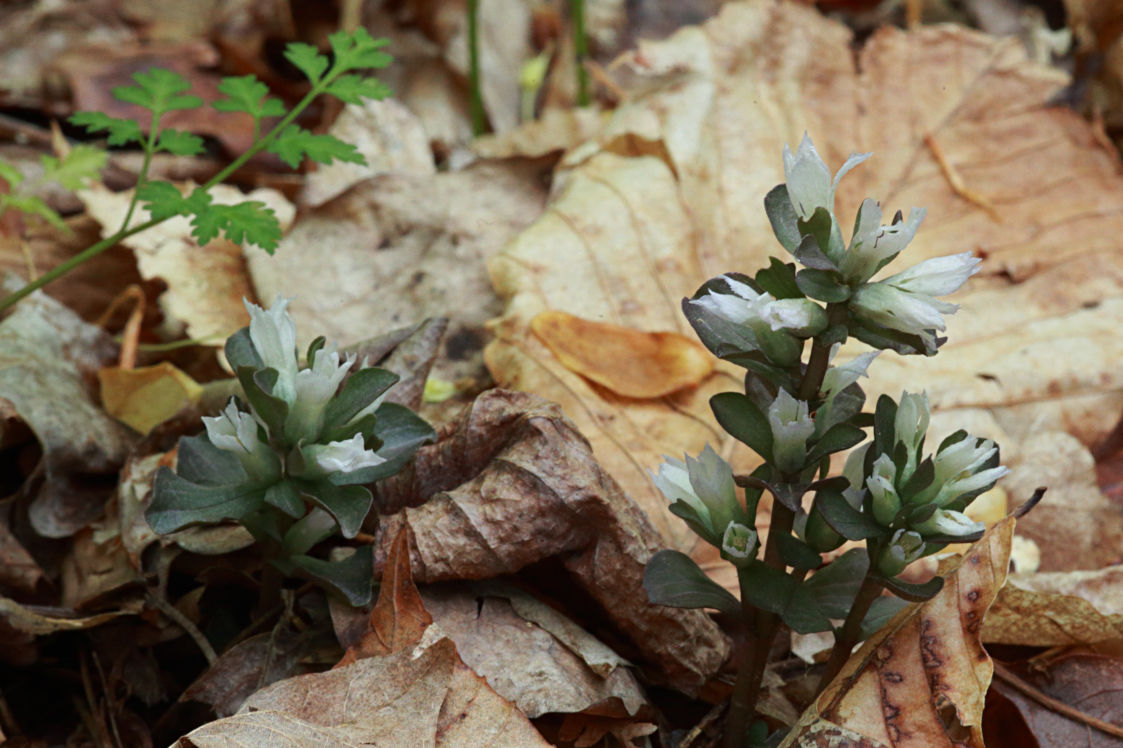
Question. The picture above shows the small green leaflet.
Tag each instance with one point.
(353, 89)
(10, 174)
(248, 94)
(358, 50)
(73, 170)
(308, 59)
(159, 91)
(33, 206)
(180, 143)
(249, 222)
(121, 131)
(294, 143)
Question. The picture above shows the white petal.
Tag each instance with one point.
(938, 276)
(344, 456)
(274, 337)
(232, 430)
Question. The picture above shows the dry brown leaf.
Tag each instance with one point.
(49, 357)
(1058, 609)
(1075, 526)
(921, 681)
(145, 397)
(402, 700)
(206, 285)
(629, 362)
(42, 621)
(670, 194)
(18, 569)
(399, 618)
(557, 129)
(511, 483)
(525, 662)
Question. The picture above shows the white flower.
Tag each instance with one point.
(886, 502)
(738, 542)
(744, 305)
(956, 466)
(853, 471)
(232, 430)
(910, 426)
(872, 244)
(705, 483)
(905, 547)
(342, 456)
(835, 381)
(938, 276)
(948, 522)
(314, 387)
(791, 428)
(274, 337)
(808, 178)
(797, 316)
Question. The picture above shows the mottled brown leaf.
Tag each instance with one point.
(921, 681)
(1058, 609)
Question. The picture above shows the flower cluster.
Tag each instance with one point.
(289, 459)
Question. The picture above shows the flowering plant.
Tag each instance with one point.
(899, 501)
(290, 460)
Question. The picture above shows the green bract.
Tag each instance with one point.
(799, 407)
(290, 459)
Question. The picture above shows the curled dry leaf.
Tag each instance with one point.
(145, 397)
(629, 362)
(511, 483)
(401, 700)
(205, 284)
(1058, 609)
(50, 360)
(670, 194)
(921, 681)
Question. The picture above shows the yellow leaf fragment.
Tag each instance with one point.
(921, 681)
(630, 362)
(146, 397)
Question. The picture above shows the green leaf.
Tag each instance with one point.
(285, 496)
(349, 504)
(811, 256)
(82, 164)
(179, 143)
(351, 577)
(11, 175)
(248, 94)
(240, 351)
(258, 386)
(158, 90)
(794, 552)
(163, 200)
(845, 519)
(880, 613)
(782, 216)
(353, 89)
(35, 206)
(694, 521)
(313, 347)
(121, 131)
(401, 432)
(884, 430)
(247, 222)
(358, 50)
(778, 279)
(315, 526)
(360, 390)
(739, 416)
(839, 437)
(822, 285)
(308, 60)
(294, 143)
(835, 586)
(914, 593)
(887, 339)
(773, 590)
(673, 579)
(177, 503)
(199, 461)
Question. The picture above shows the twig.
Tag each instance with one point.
(1015, 682)
(185, 623)
(956, 182)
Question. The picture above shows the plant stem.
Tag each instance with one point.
(851, 630)
(820, 357)
(475, 99)
(581, 50)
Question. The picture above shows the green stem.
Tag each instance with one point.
(142, 177)
(851, 631)
(581, 49)
(475, 100)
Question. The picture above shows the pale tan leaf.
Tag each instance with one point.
(1058, 609)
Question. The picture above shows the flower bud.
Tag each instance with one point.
(956, 469)
(819, 535)
(886, 502)
(705, 483)
(273, 335)
(236, 431)
(808, 178)
(338, 457)
(791, 427)
(904, 548)
(910, 426)
(314, 387)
